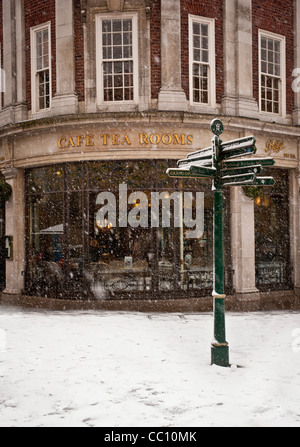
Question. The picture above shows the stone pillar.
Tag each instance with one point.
(230, 83)
(243, 245)
(14, 104)
(15, 227)
(238, 96)
(21, 109)
(171, 96)
(296, 79)
(65, 100)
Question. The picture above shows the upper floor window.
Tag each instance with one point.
(202, 60)
(117, 59)
(272, 73)
(41, 67)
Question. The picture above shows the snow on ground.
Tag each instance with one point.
(123, 369)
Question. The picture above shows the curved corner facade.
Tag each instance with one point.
(100, 97)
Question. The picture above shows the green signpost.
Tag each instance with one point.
(226, 164)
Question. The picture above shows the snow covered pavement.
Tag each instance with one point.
(126, 369)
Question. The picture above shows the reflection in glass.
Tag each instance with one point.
(97, 226)
(46, 243)
(272, 235)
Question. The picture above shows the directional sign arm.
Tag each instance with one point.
(200, 152)
(264, 181)
(256, 169)
(204, 171)
(238, 148)
(185, 173)
(203, 161)
(237, 180)
(202, 157)
(232, 164)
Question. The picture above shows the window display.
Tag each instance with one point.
(273, 271)
(117, 228)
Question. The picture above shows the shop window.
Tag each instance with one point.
(2, 245)
(46, 254)
(272, 73)
(118, 228)
(202, 61)
(41, 67)
(117, 59)
(272, 236)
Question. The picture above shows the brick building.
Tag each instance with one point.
(99, 98)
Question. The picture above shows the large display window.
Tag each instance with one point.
(272, 244)
(118, 229)
(2, 245)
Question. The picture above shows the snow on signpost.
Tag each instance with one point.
(226, 165)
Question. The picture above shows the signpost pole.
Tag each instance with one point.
(219, 348)
(226, 165)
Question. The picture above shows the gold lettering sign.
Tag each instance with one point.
(273, 146)
(78, 141)
(141, 139)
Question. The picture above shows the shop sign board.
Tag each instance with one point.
(232, 164)
(236, 180)
(238, 148)
(256, 169)
(264, 181)
(182, 173)
(202, 157)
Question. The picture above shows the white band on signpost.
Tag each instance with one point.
(220, 345)
(217, 296)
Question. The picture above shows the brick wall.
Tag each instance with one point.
(155, 30)
(79, 51)
(37, 13)
(210, 9)
(1, 43)
(276, 17)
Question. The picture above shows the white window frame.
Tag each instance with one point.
(99, 59)
(2, 78)
(34, 71)
(211, 63)
(282, 78)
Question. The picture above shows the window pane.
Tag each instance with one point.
(117, 25)
(204, 30)
(196, 28)
(44, 90)
(117, 46)
(127, 25)
(200, 69)
(106, 26)
(270, 65)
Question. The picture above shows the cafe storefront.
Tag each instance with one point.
(94, 216)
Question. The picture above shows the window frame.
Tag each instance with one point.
(211, 63)
(100, 61)
(34, 69)
(282, 78)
